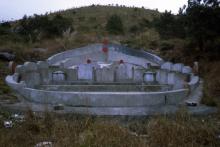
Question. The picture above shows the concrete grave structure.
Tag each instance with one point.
(113, 79)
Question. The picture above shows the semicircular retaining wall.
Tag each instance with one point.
(106, 99)
(92, 51)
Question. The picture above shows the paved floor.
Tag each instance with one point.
(113, 111)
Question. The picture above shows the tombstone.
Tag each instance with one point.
(187, 70)
(105, 74)
(167, 66)
(72, 74)
(85, 72)
(138, 75)
(31, 76)
(43, 68)
(179, 81)
(162, 76)
(177, 67)
(123, 73)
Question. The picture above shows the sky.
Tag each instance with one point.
(16, 9)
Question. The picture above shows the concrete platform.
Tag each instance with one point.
(108, 111)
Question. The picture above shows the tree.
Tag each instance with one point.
(115, 25)
(202, 21)
(31, 27)
(5, 28)
(169, 25)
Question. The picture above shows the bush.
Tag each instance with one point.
(115, 25)
(5, 28)
(33, 27)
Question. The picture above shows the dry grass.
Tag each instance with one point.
(179, 130)
(182, 130)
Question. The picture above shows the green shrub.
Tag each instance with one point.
(115, 25)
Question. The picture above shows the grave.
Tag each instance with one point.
(106, 80)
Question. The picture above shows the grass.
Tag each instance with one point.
(71, 130)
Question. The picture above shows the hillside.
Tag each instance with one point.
(88, 25)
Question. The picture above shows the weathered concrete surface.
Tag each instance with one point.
(177, 67)
(95, 53)
(196, 95)
(106, 99)
(85, 72)
(167, 66)
(162, 76)
(102, 87)
(117, 56)
(187, 70)
(108, 111)
(194, 82)
(105, 74)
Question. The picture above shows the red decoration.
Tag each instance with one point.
(88, 61)
(105, 49)
(121, 61)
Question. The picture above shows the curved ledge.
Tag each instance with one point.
(100, 99)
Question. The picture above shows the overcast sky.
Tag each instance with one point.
(15, 9)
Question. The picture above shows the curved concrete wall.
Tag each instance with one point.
(106, 99)
(91, 51)
(74, 52)
(100, 99)
(140, 54)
